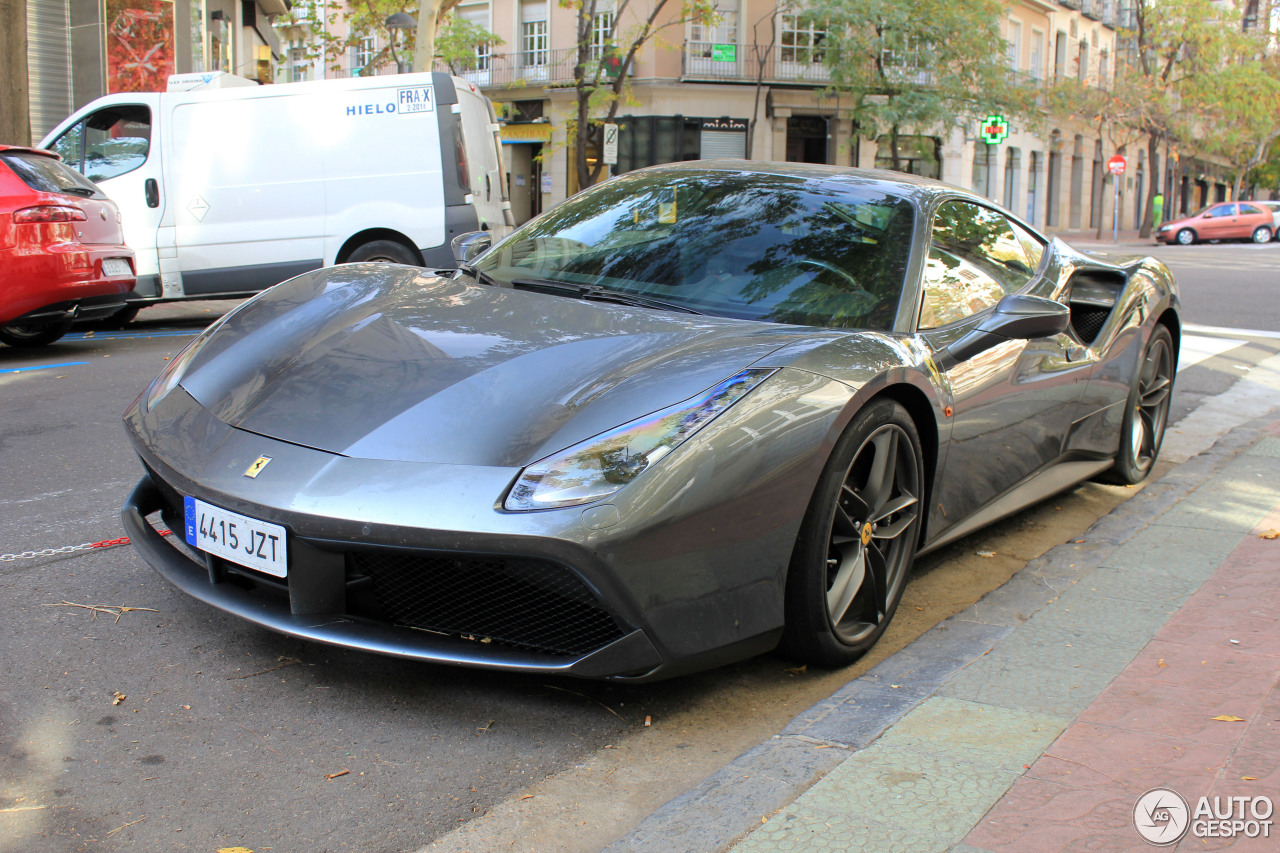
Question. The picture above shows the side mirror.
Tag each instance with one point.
(1016, 317)
(467, 247)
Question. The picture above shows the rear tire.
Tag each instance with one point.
(1146, 412)
(858, 539)
(384, 252)
(1262, 234)
(125, 315)
(34, 335)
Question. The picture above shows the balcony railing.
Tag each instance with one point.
(741, 63)
(532, 68)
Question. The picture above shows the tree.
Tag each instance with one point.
(15, 117)
(1240, 102)
(919, 66)
(457, 41)
(603, 67)
(1172, 45)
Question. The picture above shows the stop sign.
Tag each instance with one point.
(1116, 165)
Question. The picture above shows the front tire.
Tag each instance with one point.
(1146, 411)
(384, 251)
(858, 539)
(34, 335)
(1186, 237)
(1262, 234)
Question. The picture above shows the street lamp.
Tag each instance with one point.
(399, 21)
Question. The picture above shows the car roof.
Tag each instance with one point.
(898, 183)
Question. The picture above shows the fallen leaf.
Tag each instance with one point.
(342, 772)
(986, 553)
(527, 797)
(234, 850)
(1249, 778)
(798, 669)
(1162, 664)
(1229, 718)
(117, 697)
(1270, 534)
(648, 721)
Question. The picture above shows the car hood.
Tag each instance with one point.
(386, 362)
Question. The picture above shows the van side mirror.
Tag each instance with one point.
(467, 247)
(1017, 316)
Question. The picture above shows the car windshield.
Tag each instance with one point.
(763, 247)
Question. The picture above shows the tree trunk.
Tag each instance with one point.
(1155, 185)
(15, 114)
(894, 162)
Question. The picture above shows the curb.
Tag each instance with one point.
(731, 802)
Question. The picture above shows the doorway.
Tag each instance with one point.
(807, 139)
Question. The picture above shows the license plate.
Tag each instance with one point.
(116, 266)
(243, 540)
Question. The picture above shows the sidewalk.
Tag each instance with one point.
(1144, 655)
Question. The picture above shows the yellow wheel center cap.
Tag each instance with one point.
(866, 533)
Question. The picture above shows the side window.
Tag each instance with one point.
(975, 258)
(116, 140)
(1031, 244)
(1248, 209)
(1221, 210)
(69, 146)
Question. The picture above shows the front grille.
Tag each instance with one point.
(527, 603)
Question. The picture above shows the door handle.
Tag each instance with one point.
(152, 189)
(488, 188)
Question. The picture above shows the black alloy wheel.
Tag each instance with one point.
(34, 334)
(1147, 410)
(858, 539)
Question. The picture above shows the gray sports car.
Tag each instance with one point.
(689, 414)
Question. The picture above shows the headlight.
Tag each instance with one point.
(1165, 227)
(603, 464)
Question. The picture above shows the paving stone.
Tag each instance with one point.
(977, 733)
(1266, 447)
(1219, 667)
(1175, 549)
(1045, 816)
(1015, 602)
(1152, 585)
(899, 789)
(1099, 755)
(730, 802)
(1234, 502)
(1105, 616)
(806, 833)
(861, 717)
(1162, 709)
(1053, 669)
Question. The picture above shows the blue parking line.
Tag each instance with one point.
(112, 336)
(43, 366)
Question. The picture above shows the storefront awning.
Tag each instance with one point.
(525, 132)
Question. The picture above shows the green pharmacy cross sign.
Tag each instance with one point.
(995, 129)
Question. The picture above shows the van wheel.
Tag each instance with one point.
(125, 315)
(384, 252)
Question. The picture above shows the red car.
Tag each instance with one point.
(1228, 220)
(62, 253)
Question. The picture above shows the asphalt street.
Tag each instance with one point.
(160, 724)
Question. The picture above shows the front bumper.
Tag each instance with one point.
(315, 609)
(688, 570)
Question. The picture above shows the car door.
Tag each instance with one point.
(1012, 405)
(115, 147)
(1219, 222)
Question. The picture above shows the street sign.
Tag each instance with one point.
(995, 129)
(610, 144)
(1116, 165)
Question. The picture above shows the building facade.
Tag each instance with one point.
(79, 50)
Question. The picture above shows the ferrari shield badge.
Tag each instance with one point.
(255, 469)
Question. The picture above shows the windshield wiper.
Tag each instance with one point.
(599, 294)
(479, 275)
(84, 192)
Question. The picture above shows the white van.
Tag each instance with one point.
(227, 187)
